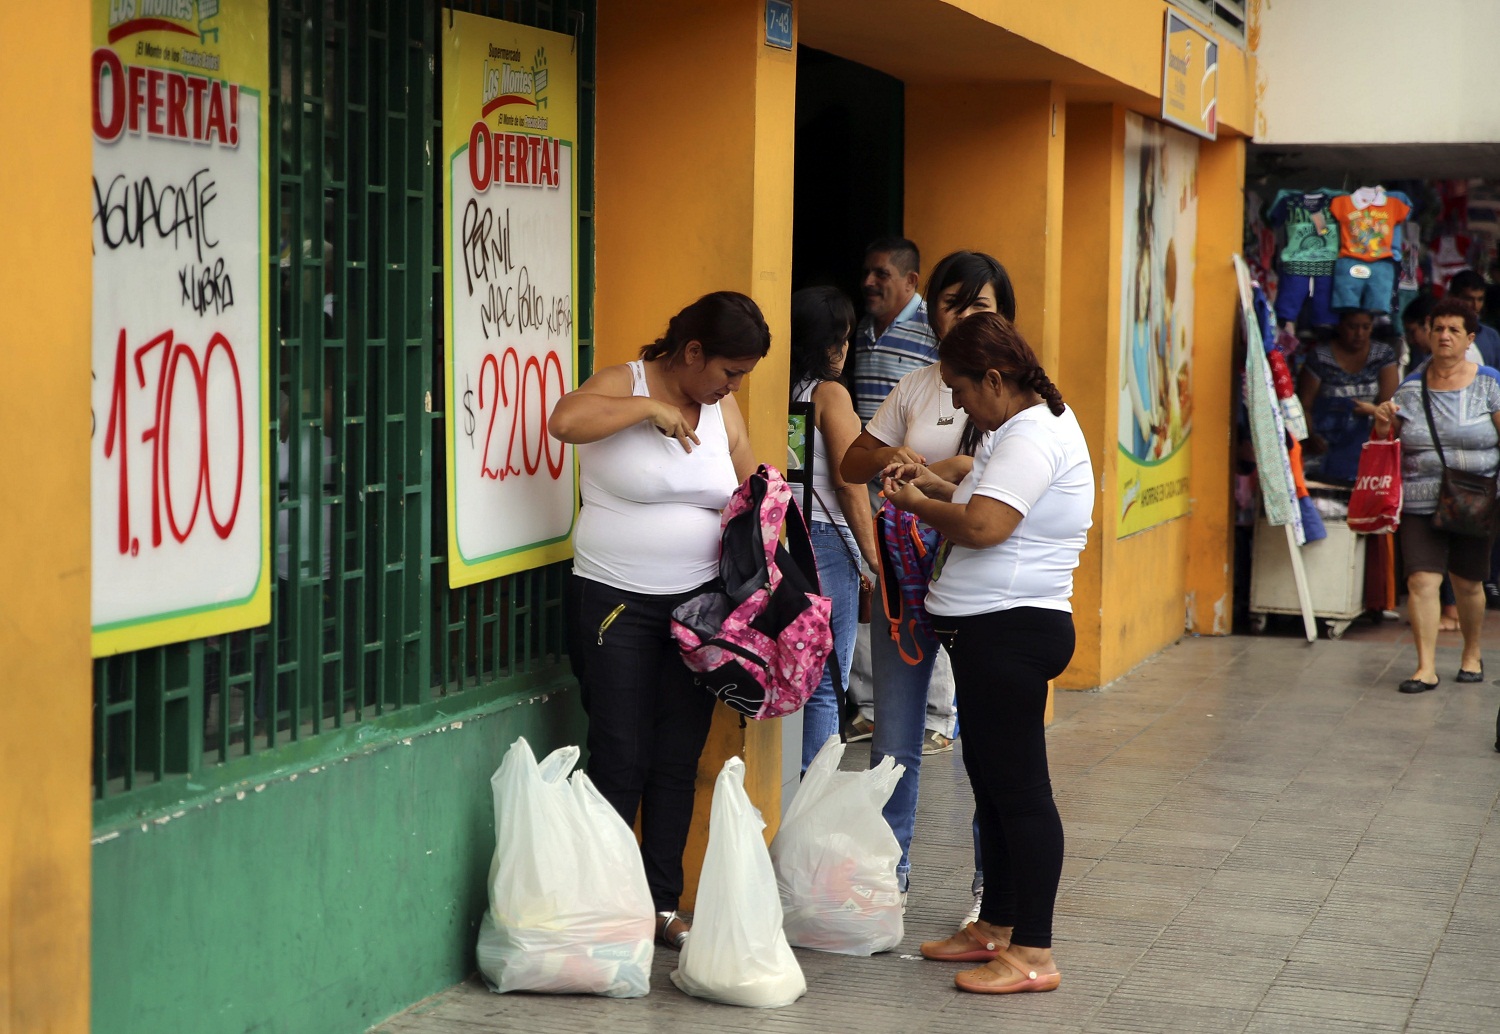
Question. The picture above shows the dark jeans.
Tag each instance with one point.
(647, 720)
(1001, 664)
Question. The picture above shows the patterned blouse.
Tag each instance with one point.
(1333, 417)
(1464, 420)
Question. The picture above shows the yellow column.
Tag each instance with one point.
(1221, 218)
(45, 694)
(984, 171)
(694, 194)
(1132, 593)
(1142, 584)
(1088, 369)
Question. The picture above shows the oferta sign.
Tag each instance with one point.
(510, 119)
(181, 236)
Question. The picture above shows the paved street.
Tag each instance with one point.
(1262, 835)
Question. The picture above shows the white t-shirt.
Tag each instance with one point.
(650, 515)
(919, 413)
(1039, 464)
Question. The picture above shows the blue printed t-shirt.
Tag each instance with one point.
(1333, 417)
(1312, 234)
(1464, 420)
(908, 344)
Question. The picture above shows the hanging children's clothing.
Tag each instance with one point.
(1409, 275)
(1364, 277)
(1308, 257)
(1450, 255)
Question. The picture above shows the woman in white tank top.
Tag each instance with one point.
(839, 524)
(661, 447)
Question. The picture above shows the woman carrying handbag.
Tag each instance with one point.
(1447, 415)
(842, 534)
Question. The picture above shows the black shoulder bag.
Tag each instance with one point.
(1466, 502)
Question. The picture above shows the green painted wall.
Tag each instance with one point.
(319, 901)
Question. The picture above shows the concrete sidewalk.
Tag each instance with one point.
(1262, 835)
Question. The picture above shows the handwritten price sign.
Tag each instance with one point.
(510, 395)
(510, 116)
(155, 441)
(180, 316)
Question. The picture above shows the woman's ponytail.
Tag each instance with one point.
(726, 324)
(1040, 383)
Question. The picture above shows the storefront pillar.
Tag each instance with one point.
(984, 171)
(1130, 594)
(1088, 367)
(1221, 215)
(694, 194)
(45, 674)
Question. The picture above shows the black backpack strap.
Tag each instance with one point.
(742, 552)
(799, 548)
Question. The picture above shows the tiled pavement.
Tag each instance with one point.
(1262, 835)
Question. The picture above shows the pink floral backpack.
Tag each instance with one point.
(760, 645)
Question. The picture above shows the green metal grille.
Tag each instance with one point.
(506, 628)
(363, 627)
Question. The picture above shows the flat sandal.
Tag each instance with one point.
(674, 940)
(981, 949)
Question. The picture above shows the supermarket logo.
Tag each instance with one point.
(508, 81)
(131, 17)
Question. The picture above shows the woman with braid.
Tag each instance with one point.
(918, 423)
(999, 601)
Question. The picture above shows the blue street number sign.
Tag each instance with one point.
(779, 24)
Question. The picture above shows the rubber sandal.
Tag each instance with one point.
(1417, 686)
(1470, 676)
(982, 950)
(1034, 982)
(666, 935)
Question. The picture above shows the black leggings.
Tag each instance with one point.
(648, 721)
(1001, 664)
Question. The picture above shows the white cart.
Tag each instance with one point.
(1335, 576)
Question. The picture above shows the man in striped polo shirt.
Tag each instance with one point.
(893, 339)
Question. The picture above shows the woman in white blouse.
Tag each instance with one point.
(999, 600)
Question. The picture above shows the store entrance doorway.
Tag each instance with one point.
(849, 180)
(847, 191)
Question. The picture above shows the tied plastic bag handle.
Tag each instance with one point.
(880, 781)
(521, 789)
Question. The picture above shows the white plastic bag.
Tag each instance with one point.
(737, 953)
(569, 908)
(836, 857)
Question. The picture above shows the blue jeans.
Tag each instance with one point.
(839, 578)
(900, 721)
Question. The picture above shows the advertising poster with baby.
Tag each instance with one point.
(510, 277)
(181, 320)
(1156, 324)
